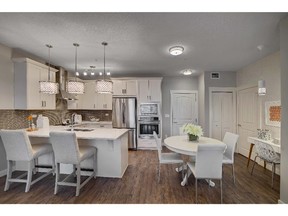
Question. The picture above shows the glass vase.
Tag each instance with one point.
(192, 137)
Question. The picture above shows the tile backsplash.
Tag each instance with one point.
(17, 119)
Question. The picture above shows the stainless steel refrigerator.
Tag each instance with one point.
(124, 115)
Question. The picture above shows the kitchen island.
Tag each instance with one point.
(111, 144)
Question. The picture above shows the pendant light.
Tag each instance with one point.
(74, 86)
(49, 87)
(261, 83)
(104, 86)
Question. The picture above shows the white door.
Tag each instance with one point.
(184, 110)
(247, 117)
(222, 114)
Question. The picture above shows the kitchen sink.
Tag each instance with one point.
(80, 129)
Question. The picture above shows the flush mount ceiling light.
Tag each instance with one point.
(176, 50)
(49, 87)
(104, 86)
(74, 86)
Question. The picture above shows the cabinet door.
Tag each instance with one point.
(104, 101)
(33, 94)
(89, 97)
(131, 87)
(75, 104)
(154, 90)
(118, 87)
(48, 101)
(143, 91)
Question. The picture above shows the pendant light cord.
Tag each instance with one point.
(104, 44)
(76, 45)
(49, 48)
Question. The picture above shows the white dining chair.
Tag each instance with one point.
(67, 151)
(18, 148)
(167, 157)
(208, 164)
(266, 153)
(230, 139)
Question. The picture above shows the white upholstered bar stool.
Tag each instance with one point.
(67, 151)
(18, 148)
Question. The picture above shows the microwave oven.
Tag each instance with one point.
(149, 109)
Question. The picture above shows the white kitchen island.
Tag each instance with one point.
(111, 144)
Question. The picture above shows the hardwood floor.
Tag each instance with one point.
(139, 186)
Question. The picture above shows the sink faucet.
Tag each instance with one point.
(73, 121)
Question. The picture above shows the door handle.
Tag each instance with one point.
(239, 125)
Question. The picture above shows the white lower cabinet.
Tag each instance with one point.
(28, 73)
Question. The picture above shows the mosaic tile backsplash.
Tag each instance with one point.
(17, 119)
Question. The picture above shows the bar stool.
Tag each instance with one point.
(18, 148)
(67, 151)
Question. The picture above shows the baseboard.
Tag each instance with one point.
(280, 202)
(3, 172)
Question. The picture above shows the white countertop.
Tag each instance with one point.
(97, 122)
(97, 133)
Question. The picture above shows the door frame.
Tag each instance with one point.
(232, 90)
(171, 105)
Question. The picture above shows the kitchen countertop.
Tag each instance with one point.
(97, 133)
(97, 122)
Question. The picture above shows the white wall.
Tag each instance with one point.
(268, 69)
(6, 78)
(173, 83)
(284, 110)
(201, 99)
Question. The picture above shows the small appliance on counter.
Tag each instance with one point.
(78, 119)
(42, 122)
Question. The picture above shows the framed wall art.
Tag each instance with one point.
(273, 113)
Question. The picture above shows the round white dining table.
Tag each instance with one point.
(181, 145)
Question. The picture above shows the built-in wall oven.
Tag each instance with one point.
(146, 126)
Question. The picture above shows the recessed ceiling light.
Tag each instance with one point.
(108, 73)
(85, 73)
(100, 73)
(77, 73)
(92, 73)
(188, 72)
(176, 50)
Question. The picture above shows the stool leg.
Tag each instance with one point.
(57, 177)
(95, 165)
(78, 179)
(29, 176)
(9, 174)
(233, 173)
(53, 164)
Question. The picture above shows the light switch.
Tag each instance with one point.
(167, 115)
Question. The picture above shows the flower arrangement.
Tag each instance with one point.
(193, 131)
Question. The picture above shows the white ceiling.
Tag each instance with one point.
(138, 43)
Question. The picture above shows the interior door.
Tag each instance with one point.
(222, 114)
(184, 110)
(247, 117)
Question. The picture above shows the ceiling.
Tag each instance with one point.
(138, 43)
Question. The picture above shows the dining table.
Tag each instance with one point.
(182, 145)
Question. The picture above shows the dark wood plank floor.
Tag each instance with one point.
(139, 186)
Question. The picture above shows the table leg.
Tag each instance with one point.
(250, 152)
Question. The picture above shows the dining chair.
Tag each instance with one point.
(18, 148)
(208, 164)
(67, 151)
(266, 153)
(167, 157)
(230, 139)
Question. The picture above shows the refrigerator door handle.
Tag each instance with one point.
(123, 113)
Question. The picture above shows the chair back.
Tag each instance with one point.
(65, 147)
(17, 145)
(266, 152)
(158, 143)
(230, 139)
(209, 161)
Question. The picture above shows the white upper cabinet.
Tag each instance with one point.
(28, 73)
(104, 101)
(149, 90)
(75, 104)
(125, 87)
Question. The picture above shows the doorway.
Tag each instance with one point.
(184, 109)
(222, 112)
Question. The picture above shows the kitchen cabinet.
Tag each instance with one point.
(28, 73)
(125, 87)
(75, 104)
(95, 101)
(149, 90)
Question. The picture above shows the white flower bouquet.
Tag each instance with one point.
(193, 131)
